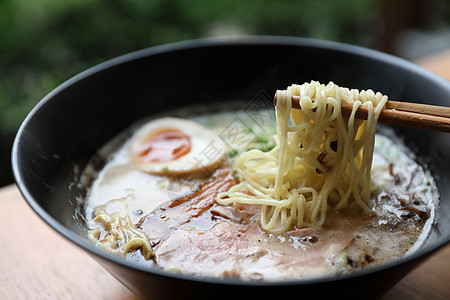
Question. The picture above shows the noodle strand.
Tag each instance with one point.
(322, 159)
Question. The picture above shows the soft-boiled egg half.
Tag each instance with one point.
(172, 146)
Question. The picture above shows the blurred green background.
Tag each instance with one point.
(45, 42)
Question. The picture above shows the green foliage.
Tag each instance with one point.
(44, 42)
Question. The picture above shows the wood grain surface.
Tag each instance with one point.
(38, 263)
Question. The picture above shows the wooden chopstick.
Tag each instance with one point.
(400, 113)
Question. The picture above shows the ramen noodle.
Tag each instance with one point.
(320, 158)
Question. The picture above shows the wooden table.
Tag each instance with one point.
(37, 263)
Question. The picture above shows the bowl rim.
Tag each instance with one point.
(205, 43)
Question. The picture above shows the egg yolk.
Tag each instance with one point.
(164, 145)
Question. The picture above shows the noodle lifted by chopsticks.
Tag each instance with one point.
(321, 158)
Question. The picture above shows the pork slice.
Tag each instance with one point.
(246, 252)
(170, 216)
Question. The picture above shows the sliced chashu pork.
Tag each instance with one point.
(173, 214)
(244, 251)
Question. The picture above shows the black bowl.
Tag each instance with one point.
(68, 126)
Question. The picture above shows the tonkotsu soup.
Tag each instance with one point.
(212, 194)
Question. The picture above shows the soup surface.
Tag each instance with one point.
(171, 220)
